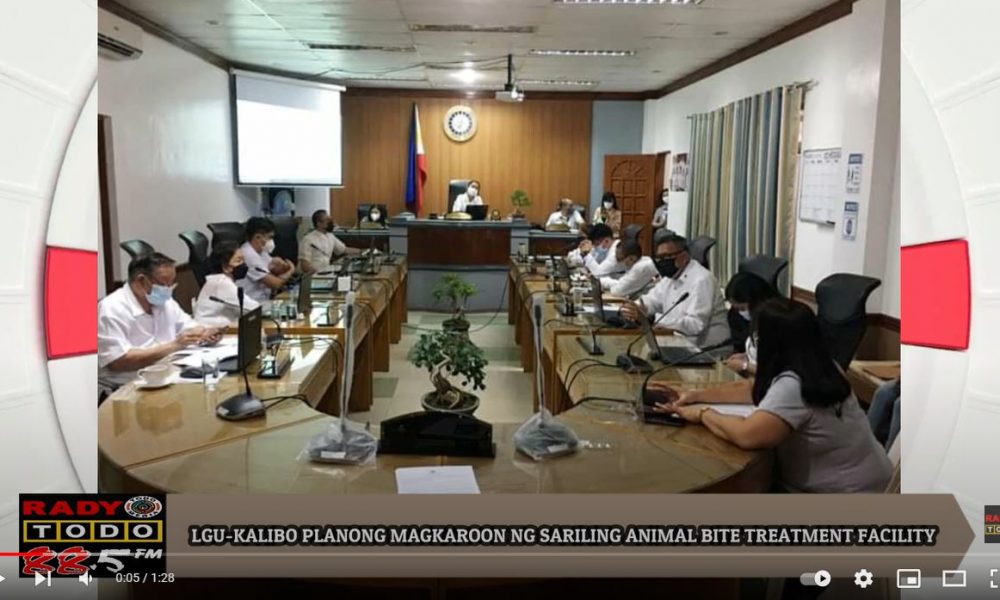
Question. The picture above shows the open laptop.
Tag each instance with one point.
(478, 212)
(248, 342)
(681, 356)
(319, 285)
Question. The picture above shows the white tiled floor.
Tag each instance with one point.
(507, 397)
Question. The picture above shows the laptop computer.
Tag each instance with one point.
(681, 356)
(248, 342)
(478, 212)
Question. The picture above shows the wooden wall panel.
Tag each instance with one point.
(540, 146)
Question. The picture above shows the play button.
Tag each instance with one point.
(819, 578)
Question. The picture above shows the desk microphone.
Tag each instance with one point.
(647, 400)
(245, 405)
(635, 364)
(591, 345)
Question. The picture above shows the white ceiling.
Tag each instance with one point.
(669, 41)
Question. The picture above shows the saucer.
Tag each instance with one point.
(145, 385)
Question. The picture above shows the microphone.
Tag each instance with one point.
(241, 406)
(590, 345)
(271, 340)
(648, 400)
(635, 364)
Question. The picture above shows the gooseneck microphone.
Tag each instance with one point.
(241, 406)
(271, 340)
(635, 364)
(645, 400)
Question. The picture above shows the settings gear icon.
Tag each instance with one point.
(863, 578)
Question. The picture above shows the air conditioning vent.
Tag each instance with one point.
(360, 47)
(116, 37)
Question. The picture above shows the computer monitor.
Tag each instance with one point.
(478, 212)
(365, 208)
(248, 342)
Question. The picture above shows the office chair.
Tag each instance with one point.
(766, 267)
(136, 248)
(699, 248)
(840, 308)
(632, 232)
(286, 241)
(229, 231)
(456, 187)
(660, 235)
(197, 245)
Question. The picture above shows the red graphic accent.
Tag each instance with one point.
(36, 560)
(70, 561)
(70, 302)
(935, 303)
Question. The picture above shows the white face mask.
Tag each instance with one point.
(269, 246)
(665, 199)
(375, 216)
(608, 205)
(473, 192)
(745, 314)
(751, 349)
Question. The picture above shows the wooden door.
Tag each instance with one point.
(632, 177)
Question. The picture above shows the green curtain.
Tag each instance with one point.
(743, 165)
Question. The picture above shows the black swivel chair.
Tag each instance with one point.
(766, 267)
(840, 308)
(136, 248)
(229, 231)
(660, 235)
(455, 188)
(699, 248)
(632, 232)
(286, 240)
(197, 245)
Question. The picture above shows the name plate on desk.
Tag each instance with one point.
(437, 434)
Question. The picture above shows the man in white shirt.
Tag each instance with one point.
(702, 316)
(598, 254)
(264, 272)
(319, 246)
(566, 216)
(639, 270)
(141, 323)
(471, 196)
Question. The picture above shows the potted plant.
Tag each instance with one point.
(520, 200)
(445, 354)
(457, 291)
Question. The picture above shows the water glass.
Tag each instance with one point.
(209, 370)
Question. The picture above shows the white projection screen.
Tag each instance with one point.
(286, 132)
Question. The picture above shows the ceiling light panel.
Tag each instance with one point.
(575, 52)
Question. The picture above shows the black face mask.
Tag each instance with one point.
(329, 226)
(667, 267)
(240, 271)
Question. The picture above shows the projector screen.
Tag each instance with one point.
(286, 131)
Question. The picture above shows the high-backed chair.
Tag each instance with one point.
(197, 244)
(840, 307)
(766, 267)
(659, 236)
(456, 187)
(632, 232)
(136, 248)
(699, 248)
(229, 231)
(286, 240)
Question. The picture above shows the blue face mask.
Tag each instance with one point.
(600, 253)
(160, 294)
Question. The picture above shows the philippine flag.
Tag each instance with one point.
(416, 166)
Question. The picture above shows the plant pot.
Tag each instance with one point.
(468, 405)
(456, 325)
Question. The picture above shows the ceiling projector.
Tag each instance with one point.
(510, 93)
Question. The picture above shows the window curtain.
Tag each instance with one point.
(744, 161)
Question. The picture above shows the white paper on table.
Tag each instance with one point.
(736, 410)
(436, 480)
(193, 357)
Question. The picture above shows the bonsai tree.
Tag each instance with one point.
(457, 291)
(447, 354)
(520, 200)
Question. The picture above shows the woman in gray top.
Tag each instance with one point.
(805, 410)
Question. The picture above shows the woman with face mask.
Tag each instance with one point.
(471, 196)
(226, 266)
(607, 212)
(660, 216)
(745, 292)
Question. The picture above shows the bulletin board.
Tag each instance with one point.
(821, 185)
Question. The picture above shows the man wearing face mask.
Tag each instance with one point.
(702, 316)
(639, 270)
(567, 216)
(598, 253)
(318, 247)
(140, 323)
(470, 197)
(265, 273)
(226, 267)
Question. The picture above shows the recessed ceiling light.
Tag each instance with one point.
(566, 82)
(466, 75)
(359, 47)
(464, 28)
(543, 52)
(654, 2)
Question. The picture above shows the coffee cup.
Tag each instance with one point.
(156, 375)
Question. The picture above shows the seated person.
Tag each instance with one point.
(609, 214)
(745, 292)
(471, 196)
(598, 253)
(319, 246)
(883, 414)
(565, 216)
(226, 267)
(266, 273)
(805, 409)
(639, 270)
(374, 217)
(660, 215)
(702, 316)
(140, 323)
